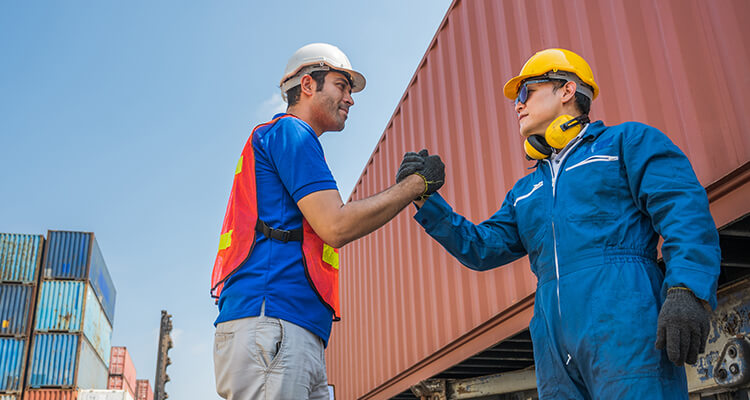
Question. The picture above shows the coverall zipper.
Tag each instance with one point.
(554, 234)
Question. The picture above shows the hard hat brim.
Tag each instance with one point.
(292, 80)
(510, 90)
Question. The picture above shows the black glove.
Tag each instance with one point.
(682, 327)
(433, 173)
(411, 163)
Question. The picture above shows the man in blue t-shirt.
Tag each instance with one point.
(273, 326)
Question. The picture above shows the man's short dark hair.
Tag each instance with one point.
(583, 103)
(292, 95)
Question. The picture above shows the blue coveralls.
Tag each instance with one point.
(591, 233)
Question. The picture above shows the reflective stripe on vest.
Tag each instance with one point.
(237, 238)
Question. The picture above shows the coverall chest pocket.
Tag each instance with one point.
(532, 214)
(590, 188)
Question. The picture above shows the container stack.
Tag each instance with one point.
(121, 371)
(74, 317)
(20, 258)
(143, 390)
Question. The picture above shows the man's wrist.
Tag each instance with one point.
(415, 184)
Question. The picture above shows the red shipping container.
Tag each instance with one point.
(117, 382)
(121, 364)
(409, 309)
(143, 390)
(50, 394)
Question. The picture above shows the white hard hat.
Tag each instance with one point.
(318, 57)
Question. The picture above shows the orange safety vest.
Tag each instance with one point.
(237, 239)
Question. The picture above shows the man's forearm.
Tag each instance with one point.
(360, 217)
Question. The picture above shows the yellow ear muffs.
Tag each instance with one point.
(563, 129)
(536, 148)
(558, 134)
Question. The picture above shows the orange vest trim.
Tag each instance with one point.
(238, 232)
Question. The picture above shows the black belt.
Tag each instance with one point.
(278, 234)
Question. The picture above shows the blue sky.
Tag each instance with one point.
(126, 119)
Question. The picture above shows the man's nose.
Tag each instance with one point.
(348, 99)
(519, 106)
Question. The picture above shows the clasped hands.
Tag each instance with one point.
(429, 167)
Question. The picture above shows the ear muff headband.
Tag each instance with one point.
(558, 134)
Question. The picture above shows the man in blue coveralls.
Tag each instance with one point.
(608, 324)
(276, 274)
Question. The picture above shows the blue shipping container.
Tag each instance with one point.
(76, 255)
(72, 306)
(20, 256)
(11, 364)
(15, 308)
(65, 360)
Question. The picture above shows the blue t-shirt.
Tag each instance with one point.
(289, 165)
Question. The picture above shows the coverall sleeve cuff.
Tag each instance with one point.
(434, 210)
(702, 284)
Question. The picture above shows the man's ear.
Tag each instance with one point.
(307, 85)
(569, 91)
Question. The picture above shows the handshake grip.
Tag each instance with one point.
(429, 167)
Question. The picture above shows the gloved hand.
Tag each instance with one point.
(429, 167)
(411, 163)
(433, 173)
(682, 327)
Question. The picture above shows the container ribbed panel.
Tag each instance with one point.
(96, 327)
(50, 394)
(15, 309)
(67, 255)
(19, 257)
(9, 397)
(60, 306)
(11, 363)
(143, 390)
(53, 360)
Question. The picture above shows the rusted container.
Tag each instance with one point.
(118, 382)
(72, 306)
(121, 365)
(143, 390)
(409, 310)
(20, 257)
(76, 255)
(50, 394)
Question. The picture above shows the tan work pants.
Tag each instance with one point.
(264, 358)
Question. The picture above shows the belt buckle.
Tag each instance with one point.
(284, 235)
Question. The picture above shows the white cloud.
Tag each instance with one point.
(273, 105)
(177, 336)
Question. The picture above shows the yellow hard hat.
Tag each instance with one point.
(552, 60)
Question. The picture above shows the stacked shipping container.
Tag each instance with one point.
(63, 298)
(20, 258)
(143, 390)
(50, 394)
(121, 371)
(74, 316)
